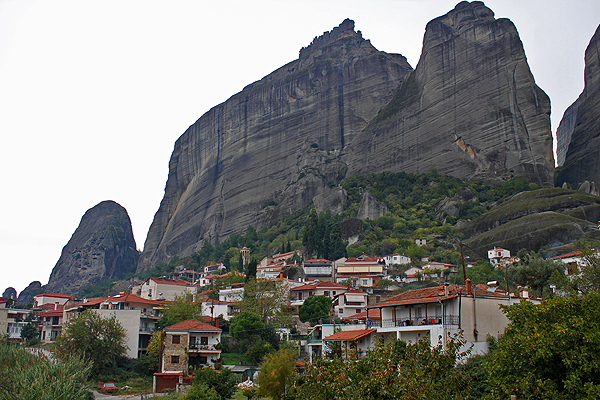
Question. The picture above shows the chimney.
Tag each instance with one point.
(446, 289)
(468, 286)
(218, 322)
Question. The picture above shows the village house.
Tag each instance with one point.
(437, 313)
(48, 314)
(213, 308)
(348, 303)
(314, 339)
(350, 343)
(497, 254)
(318, 269)
(300, 293)
(361, 265)
(163, 289)
(413, 274)
(137, 315)
(396, 259)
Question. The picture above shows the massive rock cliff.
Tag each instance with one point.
(268, 150)
(470, 109)
(580, 126)
(102, 247)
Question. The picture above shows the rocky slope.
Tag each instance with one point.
(547, 217)
(580, 126)
(268, 150)
(470, 109)
(102, 247)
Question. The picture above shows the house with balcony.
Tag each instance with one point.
(48, 314)
(189, 344)
(350, 343)
(137, 315)
(321, 269)
(361, 265)
(314, 339)
(437, 313)
(497, 254)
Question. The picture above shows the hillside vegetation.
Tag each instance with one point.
(514, 214)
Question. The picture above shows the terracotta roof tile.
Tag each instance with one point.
(350, 335)
(192, 324)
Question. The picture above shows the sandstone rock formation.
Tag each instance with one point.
(270, 149)
(371, 208)
(581, 124)
(470, 109)
(102, 247)
(26, 295)
(10, 293)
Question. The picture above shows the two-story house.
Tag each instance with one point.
(163, 289)
(137, 315)
(497, 254)
(48, 314)
(396, 259)
(300, 293)
(350, 302)
(190, 343)
(437, 313)
(318, 269)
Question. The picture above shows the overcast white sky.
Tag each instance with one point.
(93, 94)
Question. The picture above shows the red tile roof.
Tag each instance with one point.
(571, 254)
(164, 281)
(350, 335)
(433, 294)
(57, 295)
(373, 314)
(192, 325)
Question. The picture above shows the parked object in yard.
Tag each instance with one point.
(107, 387)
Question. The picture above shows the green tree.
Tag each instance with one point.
(395, 370)
(181, 309)
(250, 270)
(29, 332)
(548, 351)
(535, 274)
(202, 392)
(584, 279)
(315, 308)
(246, 324)
(223, 382)
(93, 337)
(277, 374)
(269, 299)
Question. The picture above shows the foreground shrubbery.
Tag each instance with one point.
(25, 376)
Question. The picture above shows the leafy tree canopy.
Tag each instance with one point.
(549, 351)
(315, 308)
(277, 374)
(246, 324)
(181, 309)
(93, 337)
(223, 383)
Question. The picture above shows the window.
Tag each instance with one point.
(326, 293)
(341, 310)
(365, 282)
(176, 339)
(203, 360)
(204, 340)
(174, 359)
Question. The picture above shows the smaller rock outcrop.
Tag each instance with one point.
(26, 295)
(102, 247)
(10, 293)
(332, 200)
(371, 208)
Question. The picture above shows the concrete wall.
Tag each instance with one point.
(130, 320)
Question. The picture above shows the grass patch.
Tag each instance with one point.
(234, 359)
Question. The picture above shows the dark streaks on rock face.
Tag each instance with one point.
(276, 142)
(580, 126)
(102, 247)
(472, 108)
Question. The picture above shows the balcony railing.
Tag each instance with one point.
(437, 320)
(201, 348)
